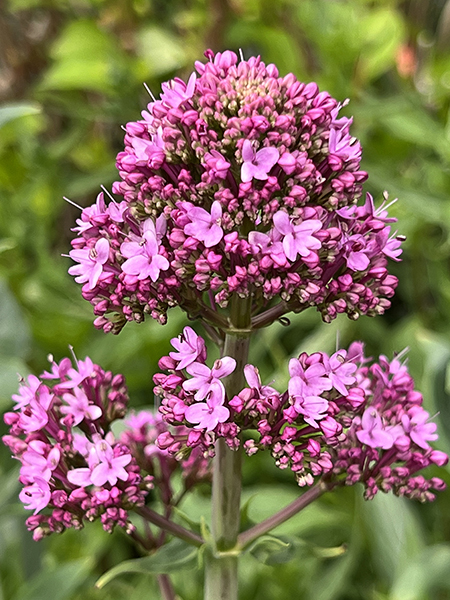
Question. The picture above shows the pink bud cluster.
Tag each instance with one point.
(339, 419)
(238, 182)
(72, 466)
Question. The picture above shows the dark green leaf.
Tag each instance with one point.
(170, 558)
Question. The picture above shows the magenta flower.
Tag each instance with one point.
(103, 466)
(110, 467)
(357, 253)
(92, 216)
(26, 392)
(176, 91)
(207, 414)
(373, 433)
(415, 423)
(308, 382)
(36, 496)
(84, 370)
(340, 371)
(254, 381)
(256, 165)
(206, 381)
(38, 461)
(297, 239)
(190, 346)
(205, 227)
(91, 262)
(217, 164)
(143, 258)
(79, 407)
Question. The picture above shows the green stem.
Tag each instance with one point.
(247, 537)
(165, 587)
(178, 530)
(221, 565)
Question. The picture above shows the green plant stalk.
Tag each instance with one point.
(221, 562)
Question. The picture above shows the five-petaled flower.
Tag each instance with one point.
(256, 165)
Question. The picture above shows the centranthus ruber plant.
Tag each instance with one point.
(239, 200)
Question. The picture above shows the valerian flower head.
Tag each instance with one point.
(256, 179)
(342, 416)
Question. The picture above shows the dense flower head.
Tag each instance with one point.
(240, 182)
(341, 418)
(73, 468)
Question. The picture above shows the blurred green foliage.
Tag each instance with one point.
(71, 74)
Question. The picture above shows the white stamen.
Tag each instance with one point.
(73, 203)
(241, 55)
(74, 356)
(149, 92)
(108, 194)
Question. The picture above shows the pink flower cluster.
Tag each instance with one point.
(200, 399)
(339, 419)
(72, 467)
(239, 182)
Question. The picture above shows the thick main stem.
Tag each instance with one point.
(221, 565)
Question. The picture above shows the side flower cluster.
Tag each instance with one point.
(73, 469)
(339, 418)
(238, 182)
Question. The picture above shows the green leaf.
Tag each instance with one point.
(10, 112)
(395, 533)
(171, 558)
(14, 331)
(269, 549)
(426, 574)
(58, 583)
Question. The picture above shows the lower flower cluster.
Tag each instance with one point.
(71, 464)
(340, 418)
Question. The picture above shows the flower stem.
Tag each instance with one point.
(247, 537)
(221, 565)
(165, 587)
(178, 530)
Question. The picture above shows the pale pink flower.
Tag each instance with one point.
(36, 496)
(297, 239)
(373, 433)
(79, 407)
(256, 165)
(206, 381)
(91, 261)
(207, 414)
(189, 346)
(143, 257)
(205, 227)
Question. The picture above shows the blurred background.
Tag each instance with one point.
(71, 73)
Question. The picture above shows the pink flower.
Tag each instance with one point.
(207, 381)
(26, 392)
(91, 262)
(36, 496)
(110, 467)
(79, 407)
(207, 414)
(297, 239)
(256, 165)
(340, 371)
(143, 258)
(176, 91)
(103, 466)
(415, 423)
(373, 433)
(38, 461)
(92, 215)
(205, 227)
(217, 164)
(190, 346)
